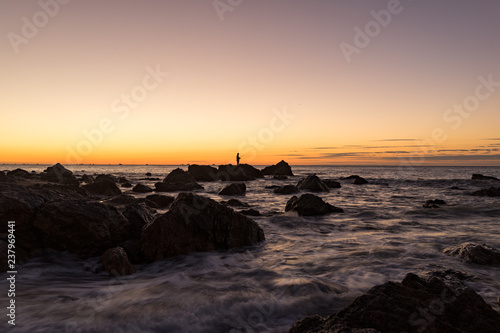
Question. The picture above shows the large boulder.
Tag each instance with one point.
(310, 205)
(59, 174)
(203, 173)
(233, 189)
(195, 223)
(103, 185)
(2, 176)
(115, 262)
(18, 173)
(85, 228)
(140, 188)
(312, 183)
(480, 254)
(178, 180)
(241, 172)
(287, 189)
(281, 168)
(414, 305)
(179, 176)
(161, 201)
(138, 215)
(477, 176)
(488, 192)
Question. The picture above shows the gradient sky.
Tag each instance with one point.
(266, 78)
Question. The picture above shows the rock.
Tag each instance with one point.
(281, 168)
(234, 189)
(148, 174)
(280, 177)
(272, 187)
(2, 176)
(18, 173)
(116, 263)
(87, 179)
(173, 187)
(237, 172)
(103, 185)
(59, 174)
(161, 201)
(106, 177)
(203, 173)
(312, 183)
(488, 192)
(122, 199)
(4, 249)
(287, 189)
(127, 185)
(310, 205)
(360, 181)
(477, 176)
(434, 203)
(235, 203)
(351, 177)
(414, 305)
(138, 215)
(250, 212)
(140, 188)
(179, 176)
(475, 253)
(123, 180)
(84, 228)
(195, 223)
(332, 183)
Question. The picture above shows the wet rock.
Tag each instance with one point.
(103, 185)
(195, 223)
(161, 201)
(241, 172)
(272, 187)
(310, 205)
(488, 192)
(122, 199)
(281, 168)
(138, 215)
(332, 183)
(477, 176)
(115, 262)
(127, 185)
(123, 180)
(475, 253)
(2, 176)
(312, 183)
(178, 180)
(148, 174)
(87, 179)
(18, 173)
(360, 181)
(179, 176)
(414, 305)
(4, 256)
(203, 173)
(84, 228)
(235, 203)
(434, 203)
(287, 189)
(280, 177)
(106, 177)
(250, 212)
(351, 177)
(234, 189)
(140, 188)
(59, 174)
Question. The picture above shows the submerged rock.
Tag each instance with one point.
(203, 173)
(140, 188)
(287, 189)
(281, 168)
(332, 183)
(280, 177)
(488, 192)
(115, 262)
(194, 224)
(312, 183)
(310, 205)
(234, 189)
(235, 203)
(414, 305)
(477, 176)
(475, 253)
(434, 203)
(360, 181)
(59, 174)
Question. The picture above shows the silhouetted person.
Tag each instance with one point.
(238, 159)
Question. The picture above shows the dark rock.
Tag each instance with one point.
(173, 187)
(281, 168)
(140, 188)
(414, 305)
(310, 205)
(332, 183)
(148, 174)
(475, 253)
(234, 189)
(115, 262)
(2, 176)
(179, 176)
(477, 176)
(4, 251)
(87, 179)
(59, 174)
(360, 181)
(195, 223)
(236, 203)
(161, 201)
(352, 177)
(272, 187)
(133, 249)
(250, 212)
(106, 177)
(434, 203)
(203, 173)
(287, 189)
(103, 185)
(123, 180)
(122, 199)
(488, 192)
(280, 177)
(241, 172)
(127, 185)
(312, 183)
(138, 215)
(19, 173)
(82, 227)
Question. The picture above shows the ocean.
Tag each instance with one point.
(306, 266)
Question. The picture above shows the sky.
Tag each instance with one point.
(311, 82)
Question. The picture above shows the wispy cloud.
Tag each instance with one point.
(395, 140)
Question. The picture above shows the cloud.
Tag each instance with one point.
(452, 150)
(396, 140)
(460, 157)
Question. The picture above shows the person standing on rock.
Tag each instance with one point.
(238, 159)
